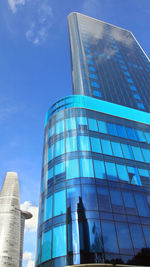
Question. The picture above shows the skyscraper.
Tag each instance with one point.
(11, 223)
(95, 186)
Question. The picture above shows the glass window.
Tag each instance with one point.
(50, 173)
(84, 143)
(60, 127)
(124, 239)
(51, 131)
(143, 172)
(74, 236)
(106, 147)
(102, 127)
(59, 203)
(73, 198)
(99, 169)
(126, 73)
(93, 76)
(46, 246)
(72, 168)
(146, 230)
(121, 131)
(130, 80)
(131, 133)
(137, 153)
(95, 144)
(59, 168)
(48, 208)
(92, 68)
(90, 62)
(146, 153)
(82, 121)
(140, 135)
(147, 137)
(104, 199)
(59, 241)
(70, 124)
(97, 93)
(112, 128)
(141, 106)
(137, 237)
(89, 198)
(111, 171)
(137, 96)
(86, 167)
(109, 237)
(116, 199)
(95, 84)
(89, 56)
(122, 172)
(93, 125)
(129, 202)
(127, 151)
(95, 239)
(133, 87)
(71, 143)
(142, 205)
(51, 152)
(116, 147)
(133, 176)
(59, 148)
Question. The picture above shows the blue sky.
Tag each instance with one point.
(35, 72)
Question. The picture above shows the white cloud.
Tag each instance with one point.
(27, 256)
(14, 3)
(37, 18)
(31, 224)
(90, 6)
(39, 27)
(30, 264)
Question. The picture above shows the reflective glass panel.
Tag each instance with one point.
(70, 124)
(86, 167)
(102, 127)
(124, 239)
(46, 246)
(109, 237)
(89, 198)
(59, 148)
(106, 146)
(95, 145)
(99, 169)
(71, 143)
(59, 241)
(60, 127)
(111, 171)
(72, 168)
(117, 151)
(84, 143)
(59, 202)
(93, 125)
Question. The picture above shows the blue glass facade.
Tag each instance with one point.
(95, 186)
(108, 63)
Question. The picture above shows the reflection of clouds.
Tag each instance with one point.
(122, 36)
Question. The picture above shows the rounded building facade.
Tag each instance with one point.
(94, 201)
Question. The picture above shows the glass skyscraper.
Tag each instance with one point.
(95, 186)
(12, 222)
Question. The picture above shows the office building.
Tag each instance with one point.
(95, 186)
(11, 223)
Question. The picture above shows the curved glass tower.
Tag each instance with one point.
(95, 186)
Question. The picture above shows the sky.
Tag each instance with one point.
(35, 71)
